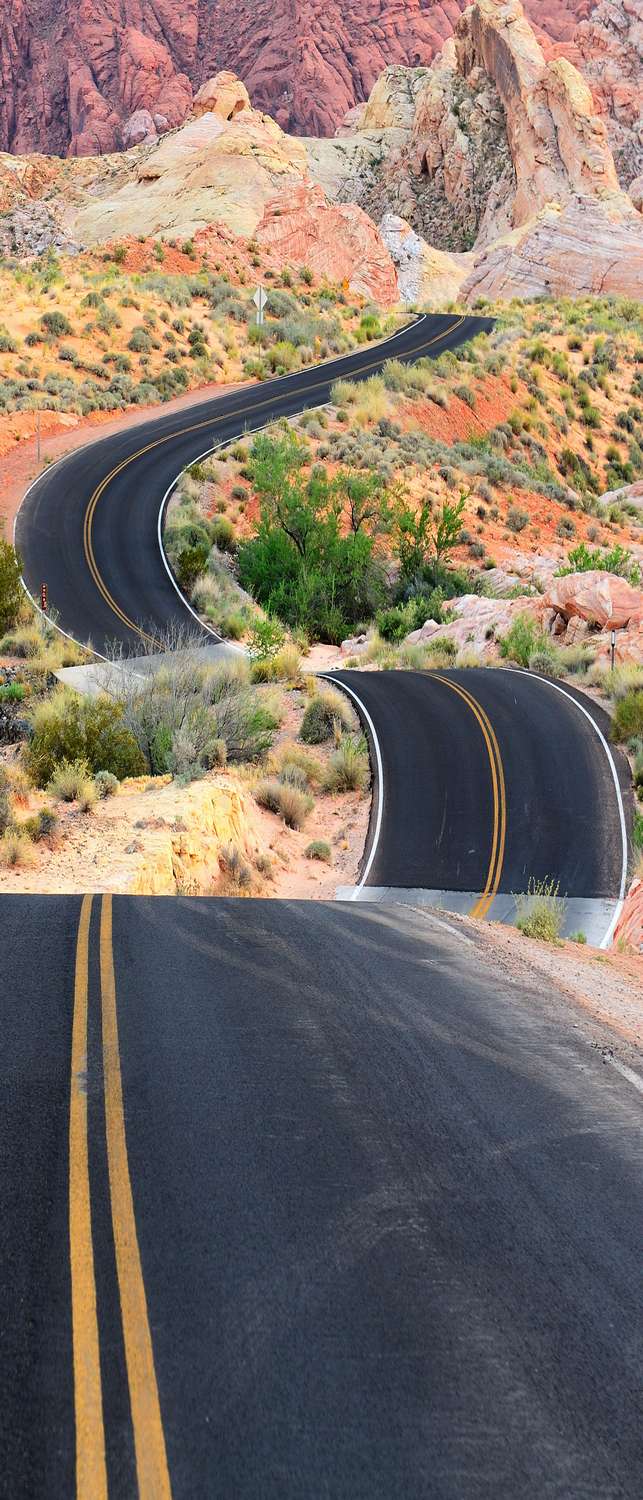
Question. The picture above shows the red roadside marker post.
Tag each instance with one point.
(43, 598)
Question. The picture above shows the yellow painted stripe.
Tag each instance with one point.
(91, 1474)
(210, 422)
(496, 860)
(149, 1441)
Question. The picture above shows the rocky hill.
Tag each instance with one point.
(82, 77)
(487, 174)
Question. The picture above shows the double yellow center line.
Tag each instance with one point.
(211, 423)
(149, 1441)
(499, 797)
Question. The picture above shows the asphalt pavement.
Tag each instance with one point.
(88, 527)
(360, 1212)
(489, 779)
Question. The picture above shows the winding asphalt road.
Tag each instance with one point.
(88, 526)
(306, 1200)
(488, 779)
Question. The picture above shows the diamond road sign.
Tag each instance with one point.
(260, 298)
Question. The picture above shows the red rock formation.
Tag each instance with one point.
(72, 72)
(336, 240)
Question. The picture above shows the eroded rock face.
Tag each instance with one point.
(610, 54)
(72, 72)
(334, 240)
(506, 154)
(426, 277)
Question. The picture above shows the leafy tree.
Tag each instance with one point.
(301, 564)
(10, 588)
(424, 542)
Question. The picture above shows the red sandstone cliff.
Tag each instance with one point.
(79, 77)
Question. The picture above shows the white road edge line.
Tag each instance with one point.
(344, 688)
(619, 797)
(628, 1073)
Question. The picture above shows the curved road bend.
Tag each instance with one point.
(88, 527)
(374, 1224)
(490, 778)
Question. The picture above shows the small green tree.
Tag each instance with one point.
(10, 587)
(447, 530)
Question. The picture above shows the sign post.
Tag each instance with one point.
(260, 298)
(613, 646)
(43, 598)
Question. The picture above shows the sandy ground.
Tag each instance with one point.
(62, 432)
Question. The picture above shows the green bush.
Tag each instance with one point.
(523, 640)
(10, 586)
(325, 710)
(12, 692)
(71, 728)
(627, 722)
(319, 849)
(546, 662)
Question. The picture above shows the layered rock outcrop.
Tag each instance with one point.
(73, 72)
(499, 149)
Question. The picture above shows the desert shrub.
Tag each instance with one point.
(292, 755)
(44, 825)
(348, 768)
(541, 912)
(517, 519)
(284, 666)
(15, 849)
(523, 640)
(10, 586)
(326, 709)
(545, 661)
(106, 784)
(288, 802)
(72, 782)
(5, 804)
(68, 727)
(190, 715)
(319, 849)
(627, 722)
(27, 643)
(140, 341)
(55, 324)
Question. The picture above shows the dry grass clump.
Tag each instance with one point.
(16, 849)
(293, 755)
(73, 782)
(235, 867)
(327, 708)
(541, 911)
(287, 801)
(348, 768)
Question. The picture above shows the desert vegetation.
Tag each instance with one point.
(127, 327)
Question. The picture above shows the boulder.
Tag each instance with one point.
(224, 95)
(139, 128)
(600, 598)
